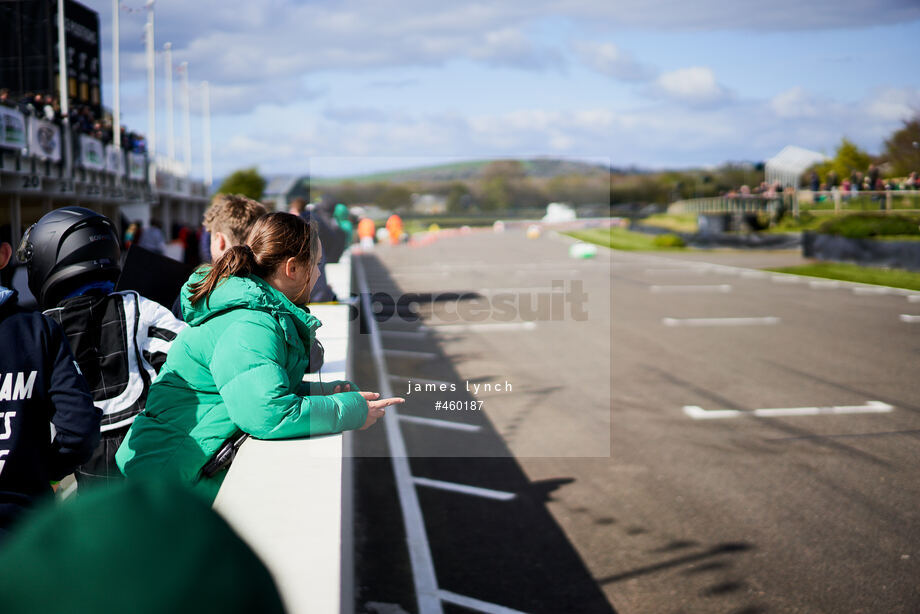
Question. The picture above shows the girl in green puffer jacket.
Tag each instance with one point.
(240, 364)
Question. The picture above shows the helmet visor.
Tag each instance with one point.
(24, 253)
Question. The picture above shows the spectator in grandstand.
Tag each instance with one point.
(5, 98)
(238, 371)
(40, 390)
(120, 339)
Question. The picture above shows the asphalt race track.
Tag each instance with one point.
(634, 490)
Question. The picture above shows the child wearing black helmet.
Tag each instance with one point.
(119, 339)
(48, 424)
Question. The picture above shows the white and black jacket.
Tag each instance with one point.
(120, 341)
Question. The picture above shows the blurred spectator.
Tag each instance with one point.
(132, 234)
(152, 238)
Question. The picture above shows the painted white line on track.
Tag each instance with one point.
(405, 333)
(785, 279)
(443, 424)
(829, 283)
(428, 600)
(765, 321)
(476, 604)
(530, 290)
(871, 407)
(909, 318)
(485, 328)
(754, 275)
(673, 271)
(868, 290)
(690, 289)
(486, 493)
(411, 354)
(913, 298)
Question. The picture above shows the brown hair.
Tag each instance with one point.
(233, 215)
(274, 238)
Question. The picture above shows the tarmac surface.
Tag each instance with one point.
(630, 495)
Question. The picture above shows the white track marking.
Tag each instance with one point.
(765, 321)
(785, 279)
(487, 493)
(423, 574)
(443, 424)
(682, 270)
(411, 354)
(871, 407)
(476, 604)
(867, 290)
(748, 274)
(689, 289)
(913, 298)
(828, 283)
(405, 333)
(472, 328)
(909, 318)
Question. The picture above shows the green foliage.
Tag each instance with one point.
(620, 238)
(247, 182)
(848, 158)
(895, 278)
(902, 149)
(458, 198)
(669, 240)
(394, 198)
(864, 225)
(677, 222)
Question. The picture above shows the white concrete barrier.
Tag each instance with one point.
(291, 500)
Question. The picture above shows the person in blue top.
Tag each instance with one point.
(48, 424)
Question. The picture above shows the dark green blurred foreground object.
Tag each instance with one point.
(138, 547)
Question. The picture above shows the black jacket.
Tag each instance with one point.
(48, 424)
(120, 340)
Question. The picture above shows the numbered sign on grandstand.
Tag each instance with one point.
(92, 154)
(44, 140)
(114, 160)
(136, 165)
(12, 129)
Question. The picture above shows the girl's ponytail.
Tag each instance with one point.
(238, 260)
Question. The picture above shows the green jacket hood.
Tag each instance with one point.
(249, 292)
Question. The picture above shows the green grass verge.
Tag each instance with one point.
(619, 238)
(895, 278)
(676, 222)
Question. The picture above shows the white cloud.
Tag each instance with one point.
(894, 104)
(696, 86)
(610, 60)
(796, 102)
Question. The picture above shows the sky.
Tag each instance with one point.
(337, 88)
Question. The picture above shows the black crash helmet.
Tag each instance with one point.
(67, 248)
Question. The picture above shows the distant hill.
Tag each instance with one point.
(460, 171)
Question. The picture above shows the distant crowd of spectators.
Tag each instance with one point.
(82, 118)
(870, 181)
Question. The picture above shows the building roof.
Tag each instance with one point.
(794, 160)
